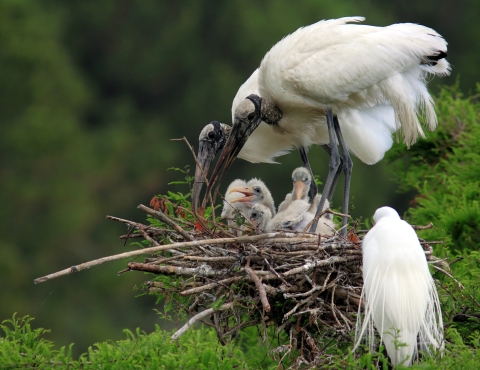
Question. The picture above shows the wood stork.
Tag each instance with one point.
(332, 83)
(302, 180)
(399, 293)
(231, 209)
(211, 140)
(259, 216)
(255, 192)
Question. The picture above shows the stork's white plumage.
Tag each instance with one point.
(373, 79)
(337, 83)
(399, 293)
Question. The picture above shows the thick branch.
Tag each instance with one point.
(260, 288)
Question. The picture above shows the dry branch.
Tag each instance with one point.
(199, 316)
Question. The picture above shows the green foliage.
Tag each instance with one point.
(24, 347)
(444, 169)
(91, 94)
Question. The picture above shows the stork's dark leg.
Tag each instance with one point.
(347, 170)
(312, 192)
(337, 175)
(334, 165)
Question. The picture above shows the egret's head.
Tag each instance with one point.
(211, 140)
(301, 183)
(385, 212)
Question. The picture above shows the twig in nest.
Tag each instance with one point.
(199, 316)
(160, 215)
(260, 288)
(426, 227)
(276, 273)
(449, 275)
(210, 286)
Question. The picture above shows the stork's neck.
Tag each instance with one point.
(270, 113)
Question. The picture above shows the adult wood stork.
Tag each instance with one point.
(336, 83)
(212, 139)
(399, 293)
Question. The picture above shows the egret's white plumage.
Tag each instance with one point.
(399, 293)
(373, 79)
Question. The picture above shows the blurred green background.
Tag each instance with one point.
(91, 94)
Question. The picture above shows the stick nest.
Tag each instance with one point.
(306, 286)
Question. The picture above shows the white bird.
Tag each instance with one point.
(254, 192)
(334, 82)
(259, 216)
(399, 293)
(295, 217)
(301, 179)
(302, 185)
(231, 210)
(211, 140)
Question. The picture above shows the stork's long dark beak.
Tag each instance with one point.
(239, 135)
(205, 156)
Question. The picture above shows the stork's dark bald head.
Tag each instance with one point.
(211, 140)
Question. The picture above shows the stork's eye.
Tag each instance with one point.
(251, 115)
(256, 189)
(211, 135)
(254, 214)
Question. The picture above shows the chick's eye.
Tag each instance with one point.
(254, 215)
(211, 135)
(257, 190)
(251, 115)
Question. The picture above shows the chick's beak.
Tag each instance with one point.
(248, 192)
(299, 189)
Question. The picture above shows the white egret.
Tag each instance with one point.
(336, 83)
(399, 293)
(211, 140)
